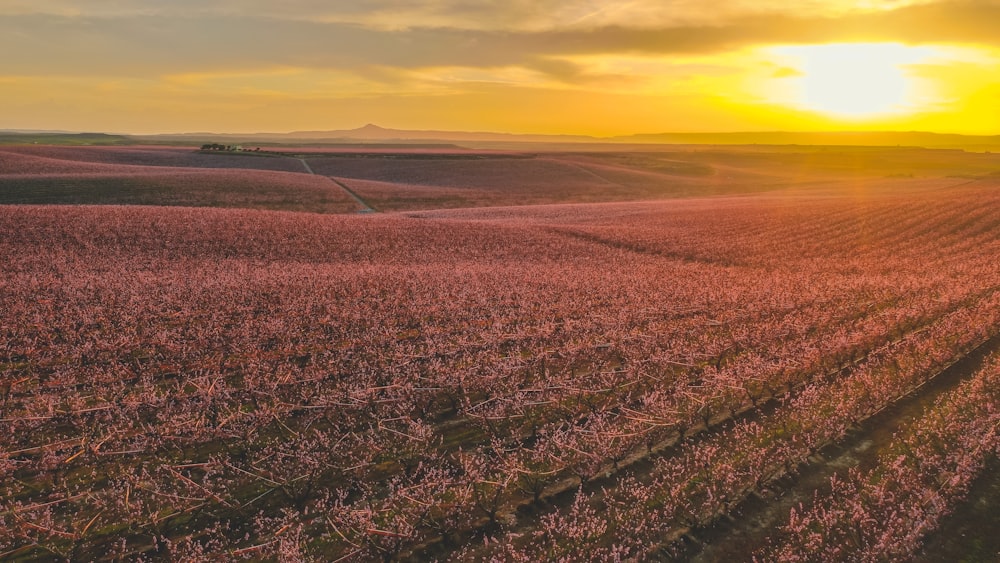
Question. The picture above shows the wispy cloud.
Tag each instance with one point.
(133, 43)
(469, 14)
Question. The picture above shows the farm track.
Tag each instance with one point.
(733, 536)
(365, 208)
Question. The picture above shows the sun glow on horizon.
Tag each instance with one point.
(854, 81)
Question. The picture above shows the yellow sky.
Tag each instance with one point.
(532, 66)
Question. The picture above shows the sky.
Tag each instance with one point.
(527, 66)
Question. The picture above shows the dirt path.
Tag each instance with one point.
(736, 536)
(365, 208)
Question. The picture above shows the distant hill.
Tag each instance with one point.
(373, 134)
(62, 138)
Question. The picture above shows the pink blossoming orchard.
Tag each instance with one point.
(563, 381)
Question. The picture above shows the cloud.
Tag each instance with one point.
(148, 39)
(510, 15)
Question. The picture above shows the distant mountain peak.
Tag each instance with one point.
(372, 127)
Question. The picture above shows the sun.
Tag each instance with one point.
(853, 80)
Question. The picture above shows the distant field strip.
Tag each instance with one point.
(40, 177)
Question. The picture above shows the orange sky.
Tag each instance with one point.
(531, 66)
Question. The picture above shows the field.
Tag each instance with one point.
(163, 176)
(577, 356)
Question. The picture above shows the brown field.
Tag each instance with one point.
(162, 176)
(426, 179)
(180, 157)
